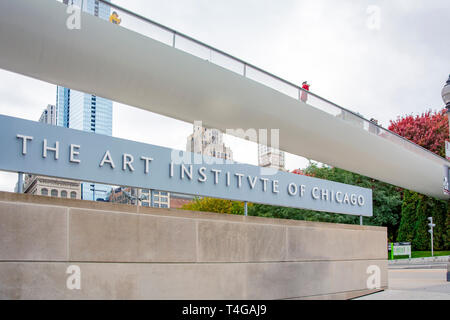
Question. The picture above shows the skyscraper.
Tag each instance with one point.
(87, 112)
(83, 111)
(269, 157)
(207, 142)
(48, 116)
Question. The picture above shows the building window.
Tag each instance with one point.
(44, 192)
(54, 193)
(73, 195)
(64, 194)
(145, 204)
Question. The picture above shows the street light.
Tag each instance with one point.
(431, 225)
(446, 96)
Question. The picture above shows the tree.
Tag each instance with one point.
(440, 211)
(216, 205)
(414, 228)
(429, 130)
(422, 240)
(387, 201)
(408, 216)
(262, 210)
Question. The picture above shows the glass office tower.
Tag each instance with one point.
(87, 112)
(82, 111)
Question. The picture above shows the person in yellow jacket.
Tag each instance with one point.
(114, 18)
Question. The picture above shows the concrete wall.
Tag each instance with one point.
(129, 252)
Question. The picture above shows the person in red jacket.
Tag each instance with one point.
(304, 95)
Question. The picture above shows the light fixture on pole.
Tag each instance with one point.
(431, 225)
(446, 95)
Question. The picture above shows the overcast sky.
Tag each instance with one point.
(382, 68)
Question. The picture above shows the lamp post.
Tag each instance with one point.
(446, 96)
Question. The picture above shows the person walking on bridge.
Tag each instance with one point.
(304, 95)
(114, 18)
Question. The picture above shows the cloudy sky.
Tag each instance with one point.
(381, 58)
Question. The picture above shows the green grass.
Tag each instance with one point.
(422, 254)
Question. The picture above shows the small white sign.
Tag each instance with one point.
(404, 250)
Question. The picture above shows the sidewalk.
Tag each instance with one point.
(420, 263)
(414, 284)
(443, 259)
(407, 295)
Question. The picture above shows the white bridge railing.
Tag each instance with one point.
(178, 40)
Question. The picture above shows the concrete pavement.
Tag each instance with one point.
(439, 262)
(414, 284)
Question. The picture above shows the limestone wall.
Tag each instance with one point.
(129, 252)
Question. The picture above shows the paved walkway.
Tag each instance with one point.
(439, 262)
(414, 284)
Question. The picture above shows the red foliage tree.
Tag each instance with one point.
(303, 173)
(429, 130)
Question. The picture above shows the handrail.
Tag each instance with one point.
(175, 32)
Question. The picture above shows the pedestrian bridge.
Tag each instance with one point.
(152, 67)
